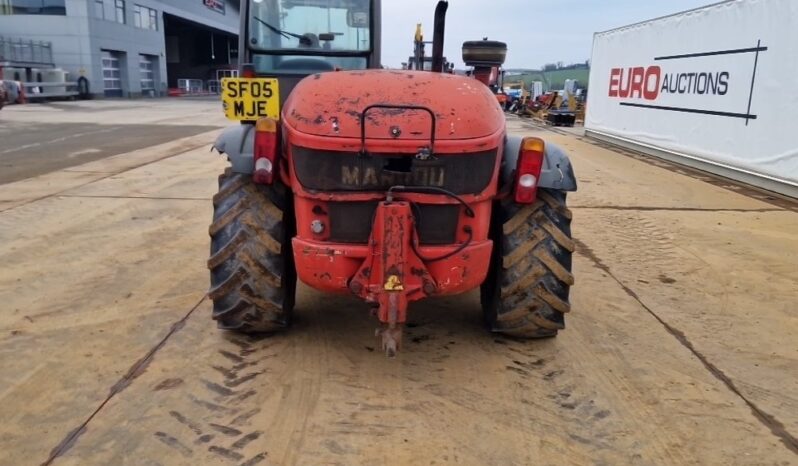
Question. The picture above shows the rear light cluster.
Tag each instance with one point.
(265, 151)
(248, 71)
(527, 171)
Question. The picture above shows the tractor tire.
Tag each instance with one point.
(253, 276)
(525, 294)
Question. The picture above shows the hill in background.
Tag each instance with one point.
(552, 79)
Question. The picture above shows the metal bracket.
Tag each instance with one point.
(363, 151)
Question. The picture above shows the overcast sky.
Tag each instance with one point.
(536, 31)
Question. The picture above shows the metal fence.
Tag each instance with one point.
(25, 51)
(191, 86)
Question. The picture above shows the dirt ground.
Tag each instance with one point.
(681, 347)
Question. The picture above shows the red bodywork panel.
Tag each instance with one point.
(463, 109)
(488, 76)
(324, 113)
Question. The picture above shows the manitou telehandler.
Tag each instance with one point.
(392, 186)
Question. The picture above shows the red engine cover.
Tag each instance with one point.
(330, 104)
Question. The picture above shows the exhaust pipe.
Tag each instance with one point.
(437, 36)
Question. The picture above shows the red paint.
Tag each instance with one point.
(636, 85)
(623, 91)
(462, 272)
(615, 79)
(638, 82)
(463, 109)
(649, 92)
(391, 258)
(468, 119)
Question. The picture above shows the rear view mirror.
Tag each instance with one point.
(357, 18)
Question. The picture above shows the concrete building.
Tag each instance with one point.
(128, 48)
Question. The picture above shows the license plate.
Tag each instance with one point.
(250, 98)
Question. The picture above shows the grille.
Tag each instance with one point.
(317, 170)
(350, 222)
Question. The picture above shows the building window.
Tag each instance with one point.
(147, 70)
(99, 9)
(33, 7)
(119, 6)
(145, 18)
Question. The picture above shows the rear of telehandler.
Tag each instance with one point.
(392, 186)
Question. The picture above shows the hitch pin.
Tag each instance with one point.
(391, 332)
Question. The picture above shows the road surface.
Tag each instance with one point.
(680, 348)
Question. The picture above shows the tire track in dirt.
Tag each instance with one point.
(769, 421)
(627, 230)
(300, 393)
(221, 426)
(592, 408)
(135, 371)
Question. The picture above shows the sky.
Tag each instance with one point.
(536, 31)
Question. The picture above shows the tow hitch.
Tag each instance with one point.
(393, 274)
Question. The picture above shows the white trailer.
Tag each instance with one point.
(712, 88)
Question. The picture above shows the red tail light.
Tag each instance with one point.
(527, 171)
(266, 156)
(248, 70)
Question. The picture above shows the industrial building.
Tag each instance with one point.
(124, 48)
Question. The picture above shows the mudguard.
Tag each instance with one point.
(557, 172)
(237, 143)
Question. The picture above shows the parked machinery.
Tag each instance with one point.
(485, 57)
(392, 186)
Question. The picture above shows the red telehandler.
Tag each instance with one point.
(392, 186)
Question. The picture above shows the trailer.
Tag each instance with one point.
(28, 66)
(707, 88)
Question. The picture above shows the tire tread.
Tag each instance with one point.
(251, 287)
(531, 268)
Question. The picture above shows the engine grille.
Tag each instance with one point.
(350, 222)
(468, 173)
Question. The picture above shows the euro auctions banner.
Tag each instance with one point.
(718, 84)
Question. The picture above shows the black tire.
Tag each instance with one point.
(526, 292)
(253, 276)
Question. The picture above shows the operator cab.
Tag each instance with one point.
(301, 37)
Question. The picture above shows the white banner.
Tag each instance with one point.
(717, 84)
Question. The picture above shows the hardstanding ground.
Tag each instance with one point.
(680, 349)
